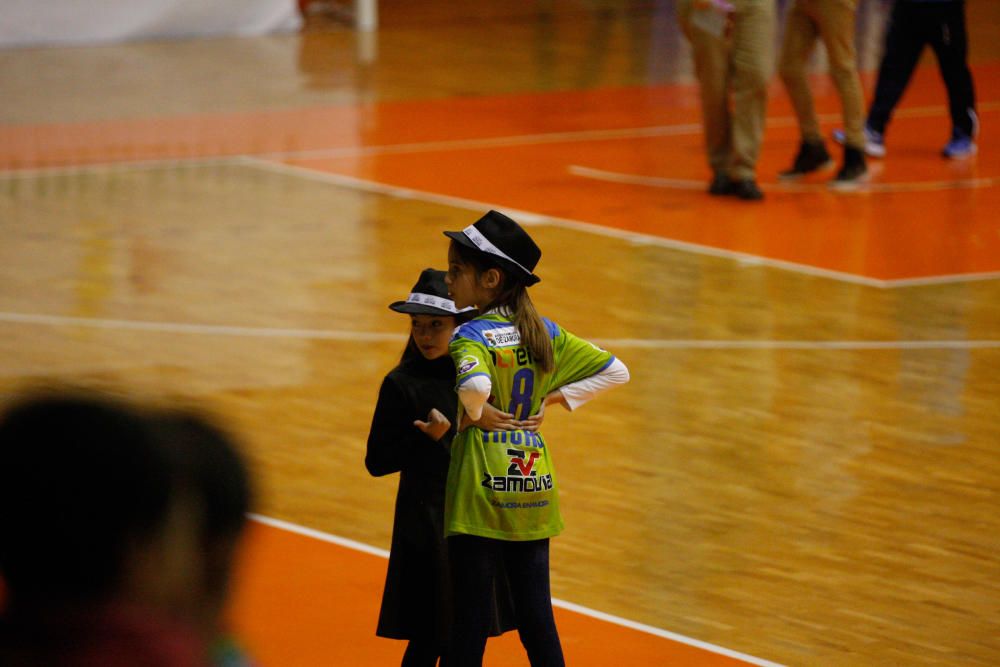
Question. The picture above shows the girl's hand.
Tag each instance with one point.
(495, 420)
(556, 398)
(436, 425)
(534, 422)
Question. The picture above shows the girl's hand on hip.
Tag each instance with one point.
(495, 420)
(534, 422)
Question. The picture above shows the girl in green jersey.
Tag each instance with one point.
(501, 499)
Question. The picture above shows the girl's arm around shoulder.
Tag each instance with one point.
(573, 395)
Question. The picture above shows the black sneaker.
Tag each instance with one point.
(812, 156)
(720, 185)
(854, 170)
(746, 190)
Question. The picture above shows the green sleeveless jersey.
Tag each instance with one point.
(501, 484)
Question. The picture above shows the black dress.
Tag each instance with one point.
(417, 601)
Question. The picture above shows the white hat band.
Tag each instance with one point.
(434, 302)
(484, 244)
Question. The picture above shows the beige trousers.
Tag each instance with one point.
(737, 66)
(833, 22)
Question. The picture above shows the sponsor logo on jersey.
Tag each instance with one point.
(511, 356)
(522, 465)
(521, 475)
(502, 336)
(518, 438)
(514, 505)
(467, 364)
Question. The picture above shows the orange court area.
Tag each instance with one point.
(803, 466)
(307, 601)
(576, 155)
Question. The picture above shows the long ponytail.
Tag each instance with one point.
(534, 334)
(513, 299)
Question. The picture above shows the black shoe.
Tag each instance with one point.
(811, 157)
(720, 185)
(854, 170)
(746, 190)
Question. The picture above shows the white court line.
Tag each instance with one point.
(489, 142)
(666, 344)
(556, 602)
(678, 129)
(531, 218)
(319, 535)
(859, 189)
(943, 280)
(265, 161)
(367, 151)
(119, 166)
(372, 336)
(197, 329)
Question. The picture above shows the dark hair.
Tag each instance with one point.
(82, 480)
(513, 296)
(210, 467)
(211, 470)
(411, 351)
(85, 480)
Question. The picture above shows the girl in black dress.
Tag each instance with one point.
(410, 434)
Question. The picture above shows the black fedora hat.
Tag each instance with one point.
(503, 239)
(428, 297)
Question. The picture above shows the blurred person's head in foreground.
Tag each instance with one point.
(115, 520)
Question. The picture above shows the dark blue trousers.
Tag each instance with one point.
(912, 26)
(474, 563)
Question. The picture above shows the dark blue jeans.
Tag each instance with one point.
(912, 26)
(474, 562)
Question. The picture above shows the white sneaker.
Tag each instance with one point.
(874, 141)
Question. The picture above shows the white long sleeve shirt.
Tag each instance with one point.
(476, 391)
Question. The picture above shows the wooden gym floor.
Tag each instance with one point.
(804, 467)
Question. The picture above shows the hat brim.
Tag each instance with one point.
(460, 237)
(418, 309)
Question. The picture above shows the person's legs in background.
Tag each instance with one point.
(951, 46)
(904, 40)
(835, 20)
(752, 44)
(711, 64)
(800, 37)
